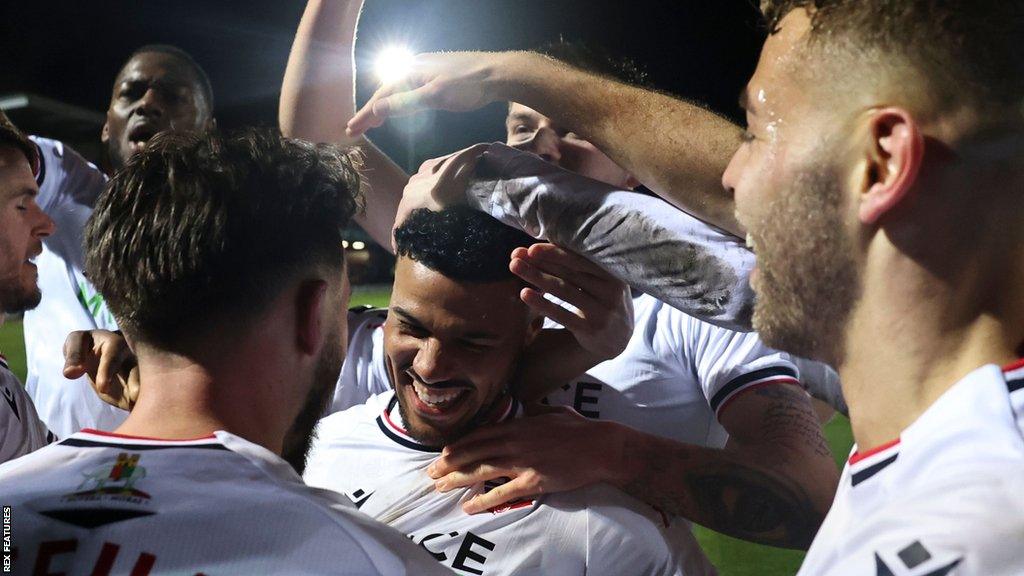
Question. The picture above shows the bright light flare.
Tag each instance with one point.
(394, 63)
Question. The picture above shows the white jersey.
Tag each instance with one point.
(365, 453)
(68, 188)
(945, 498)
(101, 503)
(675, 376)
(21, 430)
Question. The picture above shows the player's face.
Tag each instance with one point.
(153, 93)
(23, 225)
(790, 196)
(452, 349)
(527, 129)
(324, 376)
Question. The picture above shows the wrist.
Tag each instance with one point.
(616, 466)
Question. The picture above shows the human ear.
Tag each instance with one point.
(894, 154)
(309, 305)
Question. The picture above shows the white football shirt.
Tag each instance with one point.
(945, 498)
(68, 188)
(676, 376)
(21, 430)
(365, 453)
(100, 503)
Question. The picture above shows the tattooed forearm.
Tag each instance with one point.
(789, 420)
(772, 485)
(733, 498)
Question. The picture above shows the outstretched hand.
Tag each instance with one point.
(108, 361)
(555, 451)
(452, 81)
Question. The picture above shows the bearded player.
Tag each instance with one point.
(905, 272)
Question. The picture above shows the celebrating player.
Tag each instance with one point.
(159, 88)
(23, 225)
(441, 367)
(892, 132)
(708, 383)
(198, 237)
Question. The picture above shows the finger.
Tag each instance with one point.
(112, 358)
(77, 347)
(548, 252)
(561, 288)
(536, 301)
(366, 118)
(474, 475)
(515, 489)
(405, 103)
(133, 387)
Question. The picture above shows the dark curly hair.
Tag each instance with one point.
(198, 228)
(460, 243)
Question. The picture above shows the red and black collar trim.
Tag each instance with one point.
(1014, 374)
(89, 438)
(864, 465)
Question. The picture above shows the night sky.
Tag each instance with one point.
(71, 50)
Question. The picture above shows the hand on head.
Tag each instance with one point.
(602, 319)
(439, 183)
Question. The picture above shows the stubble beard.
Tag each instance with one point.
(300, 436)
(809, 280)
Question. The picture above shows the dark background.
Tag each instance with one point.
(71, 50)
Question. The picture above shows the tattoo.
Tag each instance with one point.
(728, 491)
(790, 417)
(757, 506)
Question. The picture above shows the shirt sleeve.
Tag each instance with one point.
(643, 241)
(65, 177)
(21, 430)
(729, 363)
(361, 374)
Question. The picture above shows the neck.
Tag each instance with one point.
(913, 336)
(183, 398)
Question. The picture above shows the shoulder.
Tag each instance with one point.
(964, 520)
(59, 162)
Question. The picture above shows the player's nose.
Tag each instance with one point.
(544, 143)
(151, 103)
(434, 362)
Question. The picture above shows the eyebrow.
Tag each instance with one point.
(29, 191)
(410, 319)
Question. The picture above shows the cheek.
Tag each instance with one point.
(584, 158)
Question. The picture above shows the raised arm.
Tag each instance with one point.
(676, 148)
(318, 100)
(641, 240)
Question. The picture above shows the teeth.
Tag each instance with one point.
(750, 241)
(435, 398)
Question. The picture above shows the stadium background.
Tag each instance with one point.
(60, 58)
